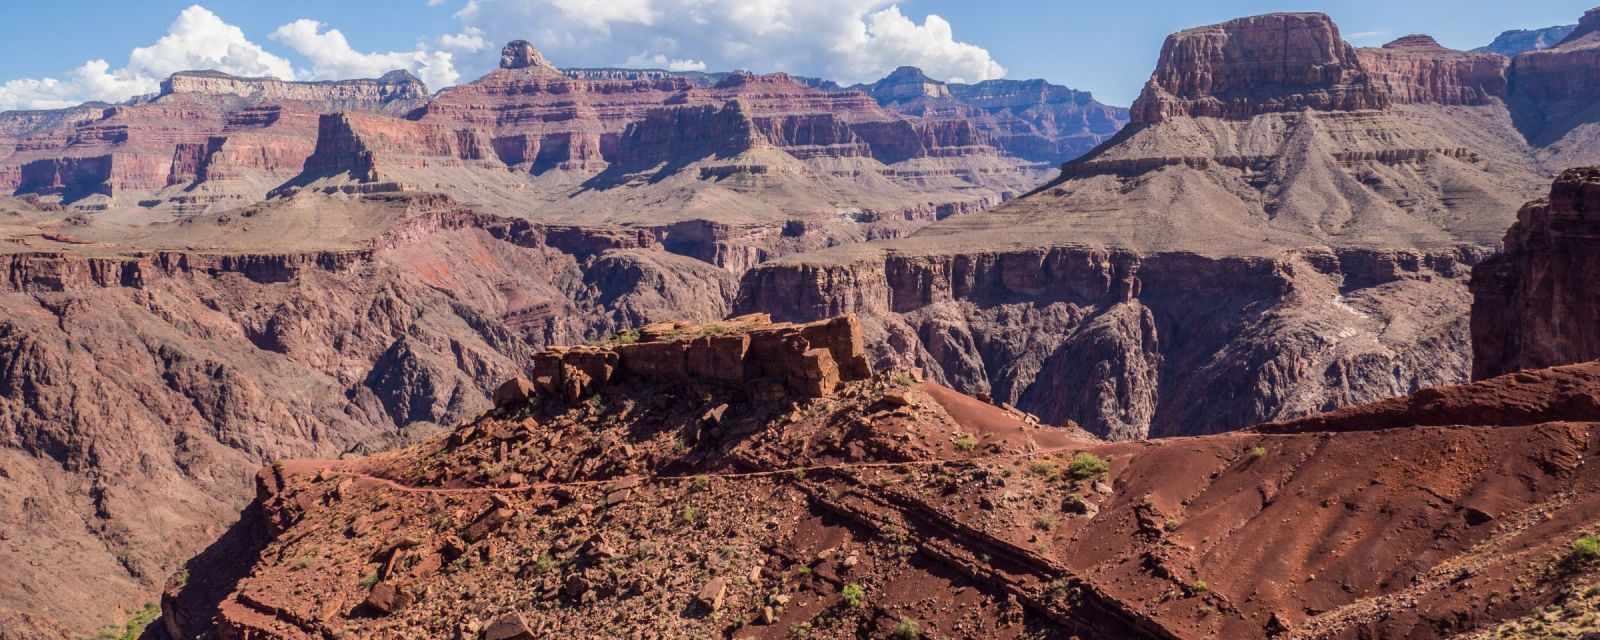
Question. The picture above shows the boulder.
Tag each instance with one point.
(513, 393)
(816, 374)
(487, 523)
(711, 595)
(386, 598)
(511, 626)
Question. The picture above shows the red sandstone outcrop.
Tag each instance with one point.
(1534, 304)
(1263, 64)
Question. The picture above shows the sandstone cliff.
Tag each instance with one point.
(1263, 64)
(1534, 304)
(239, 136)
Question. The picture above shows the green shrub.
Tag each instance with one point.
(853, 595)
(134, 627)
(1199, 587)
(689, 515)
(1044, 469)
(1086, 465)
(908, 629)
(1585, 550)
(1258, 452)
(966, 442)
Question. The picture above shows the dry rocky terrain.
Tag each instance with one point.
(237, 271)
(751, 480)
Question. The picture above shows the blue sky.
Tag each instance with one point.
(1105, 47)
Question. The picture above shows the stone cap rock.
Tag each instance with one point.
(808, 359)
(1414, 41)
(521, 54)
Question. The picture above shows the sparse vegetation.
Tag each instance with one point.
(627, 336)
(1044, 522)
(700, 483)
(544, 564)
(134, 627)
(1198, 587)
(903, 379)
(1170, 525)
(1585, 550)
(907, 629)
(1258, 452)
(1085, 466)
(1044, 469)
(371, 579)
(689, 515)
(853, 595)
(966, 442)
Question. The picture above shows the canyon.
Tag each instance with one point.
(1288, 222)
(757, 479)
(237, 271)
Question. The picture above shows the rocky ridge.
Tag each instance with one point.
(703, 505)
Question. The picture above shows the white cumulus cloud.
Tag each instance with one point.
(332, 57)
(197, 39)
(844, 40)
(470, 39)
(659, 61)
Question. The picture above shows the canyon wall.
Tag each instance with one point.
(1131, 345)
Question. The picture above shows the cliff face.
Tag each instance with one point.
(1415, 69)
(1533, 304)
(1519, 41)
(204, 126)
(1553, 91)
(1131, 345)
(1030, 119)
(1263, 64)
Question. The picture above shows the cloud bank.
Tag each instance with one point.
(198, 39)
(844, 40)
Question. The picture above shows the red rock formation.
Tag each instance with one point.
(203, 125)
(1534, 304)
(535, 118)
(1262, 64)
(1415, 69)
